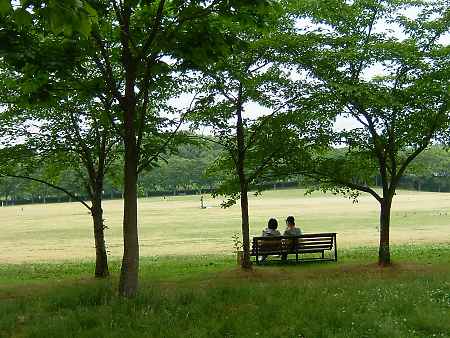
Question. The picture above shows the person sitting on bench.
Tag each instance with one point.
(271, 229)
(291, 230)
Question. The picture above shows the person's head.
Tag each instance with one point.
(290, 221)
(272, 224)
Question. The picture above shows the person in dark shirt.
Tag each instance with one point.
(291, 230)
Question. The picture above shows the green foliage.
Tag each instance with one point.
(22, 18)
(435, 161)
(68, 17)
(5, 7)
(401, 109)
(239, 85)
(184, 170)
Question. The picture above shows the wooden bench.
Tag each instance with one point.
(298, 245)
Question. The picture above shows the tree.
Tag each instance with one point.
(8, 190)
(238, 86)
(72, 132)
(125, 43)
(432, 167)
(56, 108)
(139, 48)
(400, 109)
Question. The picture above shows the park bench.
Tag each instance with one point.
(304, 247)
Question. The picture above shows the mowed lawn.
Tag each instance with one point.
(177, 225)
(207, 296)
(191, 287)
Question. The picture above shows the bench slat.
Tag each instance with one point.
(314, 248)
(316, 239)
(310, 250)
(301, 242)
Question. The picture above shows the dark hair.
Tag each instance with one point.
(290, 220)
(272, 224)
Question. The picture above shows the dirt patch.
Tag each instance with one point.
(372, 270)
(282, 274)
(43, 288)
(236, 276)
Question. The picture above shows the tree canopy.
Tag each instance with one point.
(395, 85)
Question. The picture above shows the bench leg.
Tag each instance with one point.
(323, 257)
(335, 249)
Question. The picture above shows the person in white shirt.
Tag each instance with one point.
(291, 230)
(271, 229)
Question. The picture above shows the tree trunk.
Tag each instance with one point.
(128, 283)
(101, 257)
(384, 255)
(246, 263)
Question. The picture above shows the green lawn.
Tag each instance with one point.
(207, 296)
(191, 286)
(177, 225)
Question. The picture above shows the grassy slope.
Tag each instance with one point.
(207, 296)
(178, 226)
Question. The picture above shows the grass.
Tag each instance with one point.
(207, 296)
(177, 225)
(190, 285)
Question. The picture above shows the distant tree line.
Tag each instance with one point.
(186, 172)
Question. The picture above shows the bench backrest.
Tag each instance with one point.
(302, 243)
(310, 242)
(265, 245)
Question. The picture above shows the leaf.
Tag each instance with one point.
(68, 30)
(57, 22)
(84, 27)
(92, 13)
(5, 7)
(22, 17)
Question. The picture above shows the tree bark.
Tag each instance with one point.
(246, 263)
(128, 284)
(384, 255)
(101, 257)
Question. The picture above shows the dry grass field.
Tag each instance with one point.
(177, 225)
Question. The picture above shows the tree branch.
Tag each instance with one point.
(322, 177)
(50, 185)
(155, 28)
(106, 69)
(260, 169)
(168, 140)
